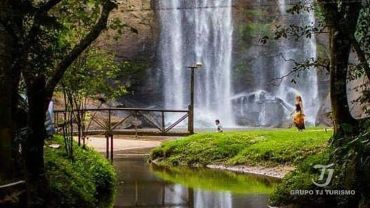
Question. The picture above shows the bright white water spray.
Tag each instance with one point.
(203, 33)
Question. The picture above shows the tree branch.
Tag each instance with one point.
(38, 15)
(300, 66)
(330, 10)
(361, 57)
(48, 5)
(101, 25)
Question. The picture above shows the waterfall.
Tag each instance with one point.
(171, 56)
(194, 31)
(197, 31)
(307, 82)
(265, 104)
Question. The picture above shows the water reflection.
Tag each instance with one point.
(142, 185)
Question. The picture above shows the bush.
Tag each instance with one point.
(87, 180)
(301, 179)
(351, 172)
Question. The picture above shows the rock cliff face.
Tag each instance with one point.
(138, 41)
(252, 21)
(136, 46)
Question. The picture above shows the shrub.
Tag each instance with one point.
(87, 180)
(301, 179)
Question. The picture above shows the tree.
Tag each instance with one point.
(7, 45)
(94, 74)
(39, 33)
(347, 24)
(341, 19)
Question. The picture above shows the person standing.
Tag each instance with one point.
(218, 125)
(298, 118)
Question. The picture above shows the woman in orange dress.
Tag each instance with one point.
(298, 118)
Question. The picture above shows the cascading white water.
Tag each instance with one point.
(171, 45)
(265, 104)
(201, 31)
(197, 31)
(307, 82)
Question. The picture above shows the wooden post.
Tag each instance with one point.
(111, 148)
(109, 136)
(191, 106)
(190, 120)
(84, 141)
(79, 134)
(109, 119)
(163, 124)
(192, 88)
(107, 147)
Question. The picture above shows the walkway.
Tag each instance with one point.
(126, 143)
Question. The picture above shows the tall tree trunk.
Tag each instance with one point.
(6, 94)
(340, 48)
(34, 151)
(344, 123)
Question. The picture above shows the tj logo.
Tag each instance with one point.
(324, 169)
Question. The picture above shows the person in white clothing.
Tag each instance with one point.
(218, 125)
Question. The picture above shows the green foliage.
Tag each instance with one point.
(76, 18)
(363, 32)
(86, 181)
(54, 33)
(132, 72)
(362, 36)
(353, 162)
(94, 73)
(300, 179)
(216, 180)
(255, 29)
(268, 147)
(351, 165)
(252, 29)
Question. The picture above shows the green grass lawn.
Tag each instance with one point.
(255, 147)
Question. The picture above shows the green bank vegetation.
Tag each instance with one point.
(87, 180)
(301, 179)
(270, 147)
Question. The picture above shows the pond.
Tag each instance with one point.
(145, 185)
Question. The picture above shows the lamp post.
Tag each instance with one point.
(191, 106)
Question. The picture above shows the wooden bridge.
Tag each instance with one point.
(123, 121)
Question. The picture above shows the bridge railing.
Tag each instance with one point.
(125, 121)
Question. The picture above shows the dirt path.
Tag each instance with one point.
(126, 143)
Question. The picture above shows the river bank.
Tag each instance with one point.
(127, 146)
(275, 172)
(82, 179)
(272, 149)
(268, 152)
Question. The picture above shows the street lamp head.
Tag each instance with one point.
(197, 65)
